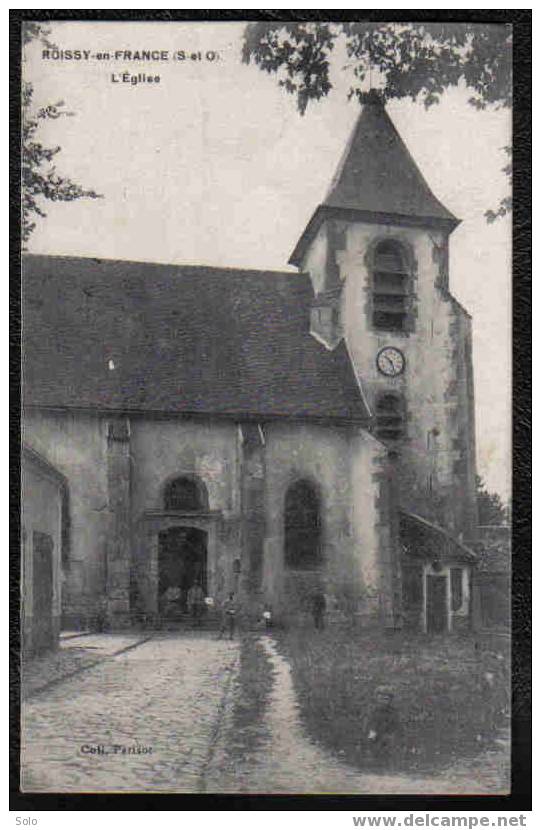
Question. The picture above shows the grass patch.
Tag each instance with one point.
(451, 694)
(251, 695)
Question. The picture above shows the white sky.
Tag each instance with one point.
(214, 165)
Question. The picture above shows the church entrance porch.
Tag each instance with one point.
(173, 551)
(182, 569)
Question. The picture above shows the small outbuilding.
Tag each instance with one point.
(437, 574)
(44, 536)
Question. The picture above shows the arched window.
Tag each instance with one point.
(390, 285)
(302, 526)
(390, 416)
(186, 494)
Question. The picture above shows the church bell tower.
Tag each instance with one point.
(376, 251)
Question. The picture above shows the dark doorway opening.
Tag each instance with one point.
(42, 591)
(436, 604)
(182, 563)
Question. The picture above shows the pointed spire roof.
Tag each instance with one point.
(378, 180)
(377, 172)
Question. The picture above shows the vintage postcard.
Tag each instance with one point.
(266, 311)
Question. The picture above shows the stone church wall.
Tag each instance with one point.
(165, 449)
(347, 468)
(117, 470)
(110, 478)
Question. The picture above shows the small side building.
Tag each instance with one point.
(437, 576)
(44, 535)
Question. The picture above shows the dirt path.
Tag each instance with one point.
(287, 761)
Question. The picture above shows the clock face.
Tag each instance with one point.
(390, 361)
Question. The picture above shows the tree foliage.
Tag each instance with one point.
(39, 177)
(490, 507)
(405, 60)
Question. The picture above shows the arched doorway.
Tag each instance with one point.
(182, 563)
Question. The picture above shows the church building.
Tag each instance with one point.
(271, 434)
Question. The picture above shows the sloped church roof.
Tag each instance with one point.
(377, 180)
(136, 336)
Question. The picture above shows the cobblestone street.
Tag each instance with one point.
(165, 694)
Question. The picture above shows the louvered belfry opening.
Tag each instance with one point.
(390, 286)
(390, 416)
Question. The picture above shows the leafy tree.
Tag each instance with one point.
(408, 60)
(40, 179)
(490, 507)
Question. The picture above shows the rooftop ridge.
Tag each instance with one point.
(149, 263)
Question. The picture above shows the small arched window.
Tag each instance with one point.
(390, 416)
(302, 526)
(390, 284)
(186, 494)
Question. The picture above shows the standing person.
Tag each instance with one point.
(170, 602)
(267, 616)
(319, 606)
(229, 613)
(384, 729)
(195, 601)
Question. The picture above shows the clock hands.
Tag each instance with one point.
(389, 361)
